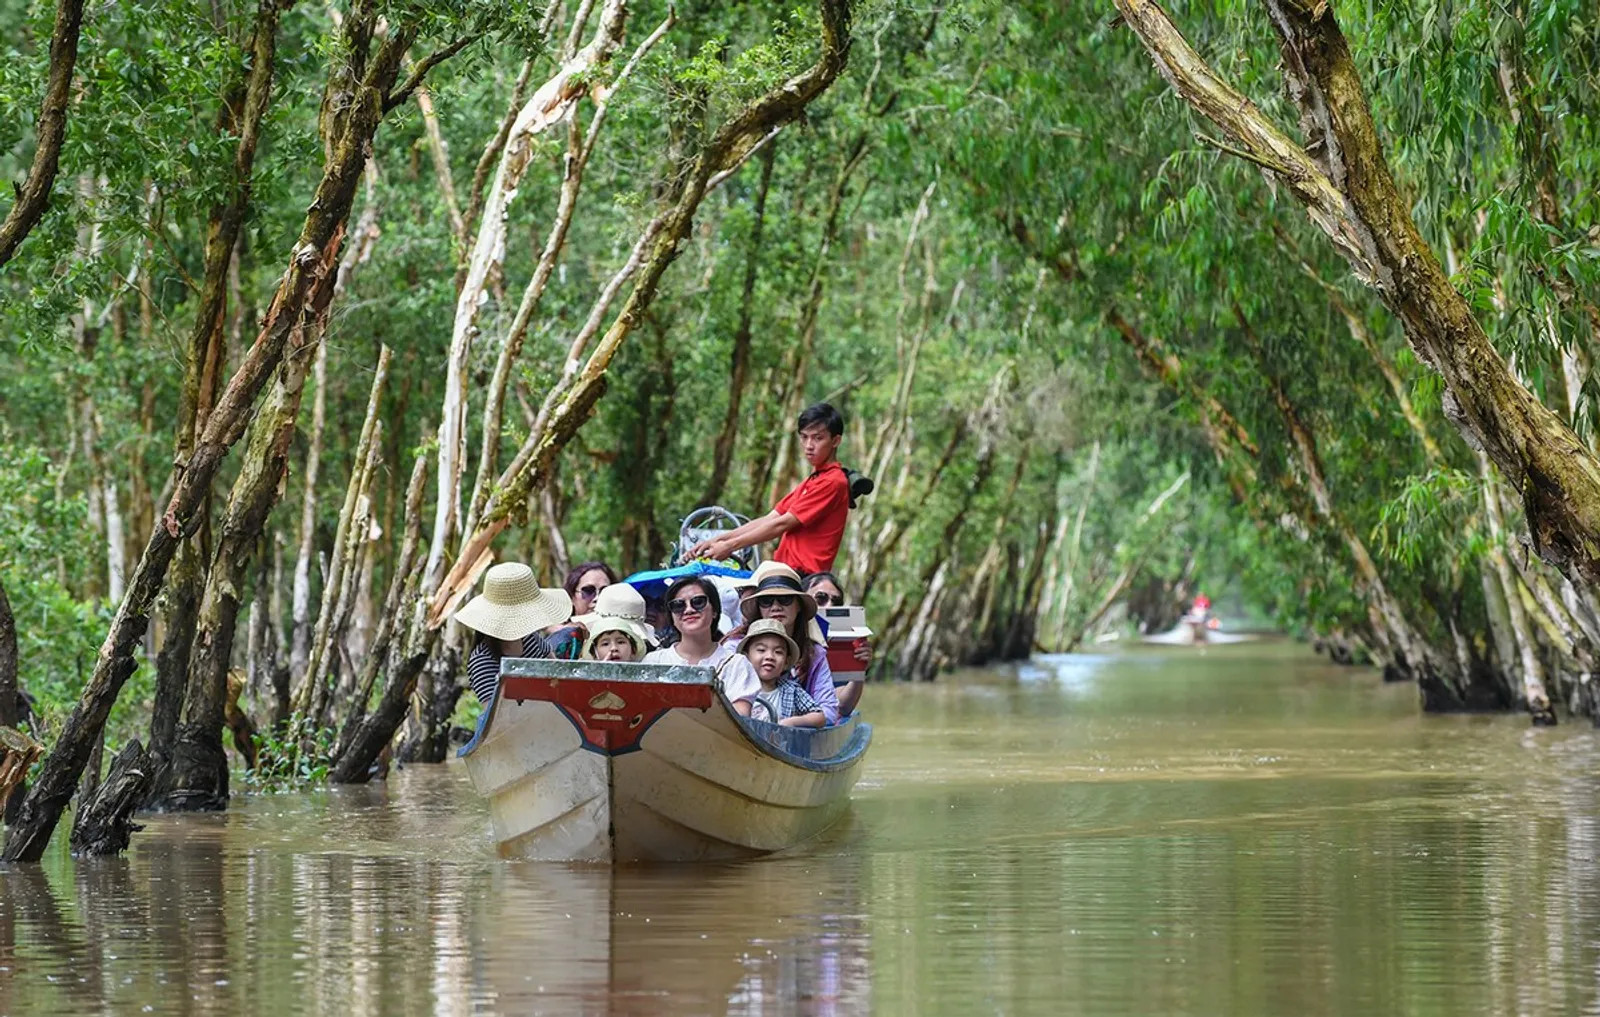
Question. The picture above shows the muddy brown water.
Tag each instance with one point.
(1240, 830)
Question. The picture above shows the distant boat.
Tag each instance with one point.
(1201, 631)
(608, 762)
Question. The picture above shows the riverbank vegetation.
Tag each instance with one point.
(329, 304)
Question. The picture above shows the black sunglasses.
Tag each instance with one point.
(590, 591)
(824, 598)
(695, 603)
(784, 601)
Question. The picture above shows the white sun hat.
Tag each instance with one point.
(619, 601)
(512, 604)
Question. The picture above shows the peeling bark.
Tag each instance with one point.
(726, 151)
(550, 104)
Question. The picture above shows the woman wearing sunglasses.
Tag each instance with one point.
(583, 584)
(693, 610)
(824, 588)
(777, 594)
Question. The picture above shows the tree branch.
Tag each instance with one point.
(426, 64)
(34, 194)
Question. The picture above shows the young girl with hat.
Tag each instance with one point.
(508, 616)
(616, 628)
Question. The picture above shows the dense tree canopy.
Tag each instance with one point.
(1088, 340)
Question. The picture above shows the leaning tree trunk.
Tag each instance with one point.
(1342, 179)
(243, 113)
(580, 148)
(34, 194)
(364, 736)
(739, 355)
(358, 100)
(574, 398)
(195, 777)
(309, 696)
(550, 104)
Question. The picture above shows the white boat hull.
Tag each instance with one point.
(587, 775)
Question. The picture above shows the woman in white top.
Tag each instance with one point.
(694, 607)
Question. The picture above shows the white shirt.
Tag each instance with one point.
(739, 679)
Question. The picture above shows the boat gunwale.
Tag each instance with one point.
(757, 733)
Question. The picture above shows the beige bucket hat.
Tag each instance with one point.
(512, 604)
(771, 627)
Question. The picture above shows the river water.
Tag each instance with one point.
(1238, 830)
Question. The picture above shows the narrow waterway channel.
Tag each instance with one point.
(1240, 830)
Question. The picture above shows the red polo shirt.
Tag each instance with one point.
(821, 503)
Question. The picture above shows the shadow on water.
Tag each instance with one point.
(1232, 830)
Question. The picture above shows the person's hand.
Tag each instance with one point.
(712, 549)
(863, 651)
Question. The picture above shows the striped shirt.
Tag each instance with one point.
(483, 663)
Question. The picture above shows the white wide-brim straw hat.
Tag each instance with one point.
(619, 600)
(637, 631)
(512, 604)
(771, 627)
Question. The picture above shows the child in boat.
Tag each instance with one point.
(769, 648)
(616, 639)
(615, 629)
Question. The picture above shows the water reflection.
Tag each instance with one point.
(1238, 830)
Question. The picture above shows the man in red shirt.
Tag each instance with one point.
(809, 521)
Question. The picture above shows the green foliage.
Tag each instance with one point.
(1007, 175)
(298, 757)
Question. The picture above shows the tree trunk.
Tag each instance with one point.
(351, 119)
(580, 147)
(365, 736)
(550, 103)
(243, 112)
(1349, 193)
(732, 143)
(739, 356)
(104, 823)
(1534, 696)
(194, 776)
(51, 130)
(309, 697)
(300, 598)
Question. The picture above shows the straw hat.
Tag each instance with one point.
(771, 627)
(617, 602)
(775, 579)
(767, 570)
(513, 605)
(601, 624)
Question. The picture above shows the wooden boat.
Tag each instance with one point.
(608, 762)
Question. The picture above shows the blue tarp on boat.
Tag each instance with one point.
(654, 582)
